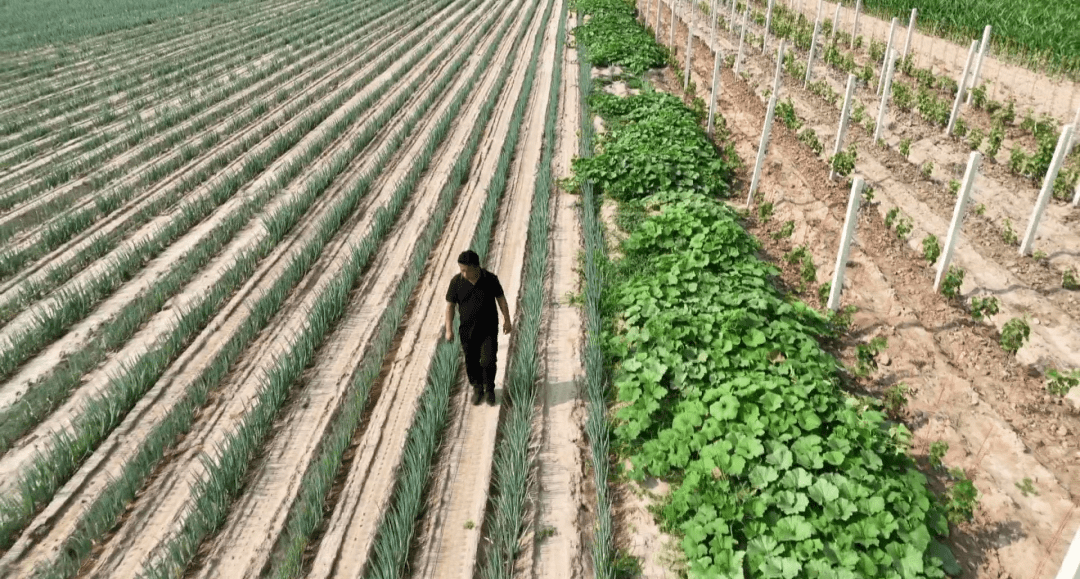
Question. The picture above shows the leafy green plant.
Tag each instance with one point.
(950, 286)
(1060, 383)
(978, 96)
(890, 217)
(866, 355)
(868, 194)
(931, 248)
(785, 231)
(809, 137)
(954, 187)
(960, 128)
(997, 136)
(823, 291)
(1018, 161)
(1014, 333)
(975, 139)
(903, 227)
(858, 113)
(984, 308)
(1039, 255)
(1027, 487)
(1069, 280)
(896, 399)
(1008, 235)
(765, 211)
(938, 448)
(905, 147)
(962, 498)
(785, 111)
(980, 209)
(903, 97)
(927, 169)
(843, 163)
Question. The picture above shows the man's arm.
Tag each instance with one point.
(507, 324)
(450, 321)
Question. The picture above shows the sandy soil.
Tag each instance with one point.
(558, 548)
(245, 544)
(12, 391)
(358, 504)
(78, 191)
(173, 388)
(989, 407)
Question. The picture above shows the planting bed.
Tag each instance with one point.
(225, 237)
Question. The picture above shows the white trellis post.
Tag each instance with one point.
(731, 21)
(855, 27)
(890, 59)
(779, 74)
(844, 114)
(910, 31)
(715, 88)
(1072, 141)
(657, 26)
(960, 88)
(958, 217)
(1047, 190)
(984, 47)
(835, 21)
(1070, 567)
(671, 42)
(888, 52)
(762, 147)
(715, 17)
(742, 41)
(810, 59)
(850, 221)
(689, 49)
(768, 22)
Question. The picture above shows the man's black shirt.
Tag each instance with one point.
(476, 304)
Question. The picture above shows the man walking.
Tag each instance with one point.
(475, 292)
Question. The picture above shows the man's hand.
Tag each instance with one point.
(508, 327)
(449, 335)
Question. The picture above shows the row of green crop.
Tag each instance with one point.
(307, 513)
(512, 463)
(597, 426)
(206, 111)
(98, 121)
(723, 388)
(393, 538)
(71, 305)
(72, 222)
(103, 413)
(35, 113)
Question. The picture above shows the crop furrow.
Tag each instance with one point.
(133, 375)
(143, 207)
(221, 106)
(42, 323)
(96, 121)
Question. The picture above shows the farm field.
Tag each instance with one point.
(226, 231)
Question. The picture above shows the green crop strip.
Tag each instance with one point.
(71, 223)
(74, 304)
(307, 512)
(512, 464)
(393, 538)
(597, 426)
(612, 38)
(64, 172)
(102, 414)
(725, 392)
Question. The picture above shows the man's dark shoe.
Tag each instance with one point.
(478, 395)
(491, 397)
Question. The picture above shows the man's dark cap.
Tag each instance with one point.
(469, 257)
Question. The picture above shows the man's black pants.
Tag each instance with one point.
(480, 357)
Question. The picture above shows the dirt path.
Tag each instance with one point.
(244, 545)
(559, 537)
(448, 547)
(367, 488)
(966, 390)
